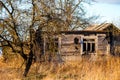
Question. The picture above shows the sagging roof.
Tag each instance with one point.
(100, 27)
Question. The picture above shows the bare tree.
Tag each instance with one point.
(18, 25)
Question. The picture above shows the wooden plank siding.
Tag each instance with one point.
(68, 46)
(89, 42)
(102, 43)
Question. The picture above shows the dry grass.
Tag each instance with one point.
(103, 68)
(10, 69)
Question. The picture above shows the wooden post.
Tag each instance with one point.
(96, 44)
(82, 44)
(44, 45)
(91, 46)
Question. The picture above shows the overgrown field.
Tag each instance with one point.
(103, 68)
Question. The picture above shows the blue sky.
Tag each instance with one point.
(108, 10)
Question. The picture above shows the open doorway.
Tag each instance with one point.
(88, 46)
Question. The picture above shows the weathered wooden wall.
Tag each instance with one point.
(103, 45)
(68, 47)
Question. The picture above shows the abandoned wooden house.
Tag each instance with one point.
(92, 40)
(115, 31)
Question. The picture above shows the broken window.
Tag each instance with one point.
(88, 45)
(76, 40)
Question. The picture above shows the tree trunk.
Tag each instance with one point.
(29, 63)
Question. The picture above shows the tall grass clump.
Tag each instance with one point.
(100, 68)
(85, 69)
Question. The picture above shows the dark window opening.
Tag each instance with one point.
(76, 40)
(84, 47)
(88, 45)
